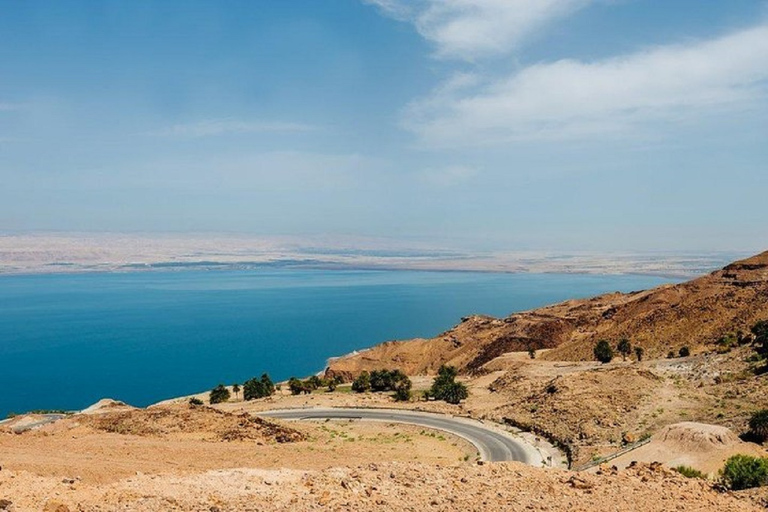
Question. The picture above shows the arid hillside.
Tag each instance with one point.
(694, 314)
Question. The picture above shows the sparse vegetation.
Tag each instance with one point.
(690, 472)
(446, 388)
(639, 353)
(744, 472)
(236, 389)
(195, 402)
(532, 353)
(218, 394)
(624, 348)
(684, 352)
(603, 351)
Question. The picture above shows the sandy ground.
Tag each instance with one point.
(72, 450)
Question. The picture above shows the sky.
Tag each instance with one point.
(626, 125)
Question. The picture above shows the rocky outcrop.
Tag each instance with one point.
(694, 314)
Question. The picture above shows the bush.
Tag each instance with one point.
(218, 394)
(639, 353)
(758, 426)
(670, 355)
(362, 383)
(403, 394)
(603, 351)
(744, 472)
(689, 472)
(532, 353)
(195, 402)
(446, 388)
(258, 388)
(684, 352)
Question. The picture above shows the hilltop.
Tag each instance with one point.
(695, 314)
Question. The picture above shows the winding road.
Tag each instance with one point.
(493, 445)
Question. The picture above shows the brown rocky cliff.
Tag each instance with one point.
(694, 314)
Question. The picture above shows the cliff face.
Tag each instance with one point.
(693, 314)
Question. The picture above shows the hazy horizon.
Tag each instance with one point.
(498, 125)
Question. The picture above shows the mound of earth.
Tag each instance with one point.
(204, 423)
(107, 405)
(386, 486)
(698, 445)
(694, 314)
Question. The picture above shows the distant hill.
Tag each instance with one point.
(694, 314)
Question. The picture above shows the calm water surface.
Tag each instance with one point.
(69, 340)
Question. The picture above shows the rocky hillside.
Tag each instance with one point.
(694, 314)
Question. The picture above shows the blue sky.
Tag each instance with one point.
(495, 124)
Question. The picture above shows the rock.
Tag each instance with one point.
(5, 504)
(55, 506)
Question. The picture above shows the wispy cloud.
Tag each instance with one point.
(214, 127)
(471, 29)
(571, 98)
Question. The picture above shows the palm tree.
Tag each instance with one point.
(236, 389)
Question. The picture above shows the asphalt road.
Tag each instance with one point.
(491, 444)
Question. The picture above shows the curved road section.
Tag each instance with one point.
(493, 445)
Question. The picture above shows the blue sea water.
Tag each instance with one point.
(69, 340)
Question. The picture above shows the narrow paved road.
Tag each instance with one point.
(491, 444)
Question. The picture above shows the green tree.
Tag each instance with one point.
(744, 472)
(266, 382)
(236, 389)
(639, 353)
(603, 351)
(314, 382)
(258, 388)
(624, 347)
(298, 387)
(362, 383)
(445, 387)
(758, 425)
(218, 394)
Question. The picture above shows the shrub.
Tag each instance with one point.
(445, 387)
(689, 472)
(758, 425)
(603, 351)
(403, 394)
(218, 394)
(195, 402)
(684, 352)
(532, 353)
(624, 347)
(639, 353)
(760, 331)
(362, 383)
(670, 355)
(236, 389)
(744, 472)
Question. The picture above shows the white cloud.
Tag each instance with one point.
(213, 127)
(571, 98)
(470, 29)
